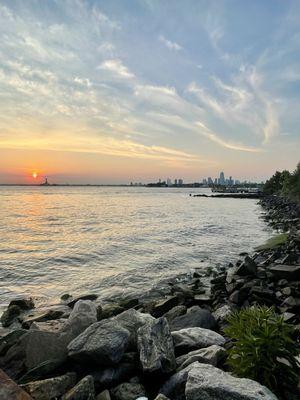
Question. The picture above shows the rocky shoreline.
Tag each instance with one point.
(163, 346)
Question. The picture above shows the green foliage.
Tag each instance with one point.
(263, 348)
(274, 242)
(284, 183)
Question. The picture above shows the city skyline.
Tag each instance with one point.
(113, 92)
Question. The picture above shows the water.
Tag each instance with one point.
(114, 240)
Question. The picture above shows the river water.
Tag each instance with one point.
(115, 240)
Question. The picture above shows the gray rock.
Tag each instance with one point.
(41, 317)
(205, 382)
(50, 389)
(195, 317)
(175, 312)
(49, 326)
(89, 296)
(82, 316)
(288, 272)
(161, 396)
(103, 343)
(128, 391)
(84, 390)
(103, 395)
(155, 345)
(10, 315)
(132, 320)
(248, 267)
(112, 376)
(210, 355)
(190, 339)
(10, 339)
(110, 310)
(222, 313)
(24, 304)
(42, 371)
(164, 305)
(174, 387)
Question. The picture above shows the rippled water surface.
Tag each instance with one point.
(114, 240)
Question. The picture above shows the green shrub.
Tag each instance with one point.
(263, 348)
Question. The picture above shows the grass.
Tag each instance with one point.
(274, 242)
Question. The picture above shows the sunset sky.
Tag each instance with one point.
(136, 90)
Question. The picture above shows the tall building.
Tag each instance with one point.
(222, 178)
(180, 182)
(169, 182)
(209, 181)
(175, 182)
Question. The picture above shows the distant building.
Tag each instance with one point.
(209, 181)
(169, 182)
(204, 181)
(216, 181)
(175, 182)
(180, 182)
(222, 178)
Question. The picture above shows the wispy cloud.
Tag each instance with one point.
(116, 67)
(169, 44)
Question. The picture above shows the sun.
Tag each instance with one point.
(34, 175)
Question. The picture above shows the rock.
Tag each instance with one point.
(10, 339)
(189, 339)
(82, 316)
(51, 388)
(103, 343)
(112, 376)
(90, 296)
(210, 355)
(195, 317)
(109, 310)
(239, 296)
(288, 272)
(164, 305)
(174, 387)
(24, 304)
(66, 297)
(55, 325)
(41, 317)
(42, 371)
(9, 390)
(175, 312)
(155, 345)
(222, 313)
(128, 391)
(132, 320)
(210, 383)
(84, 390)
(10, 315)
(129, 303)
(292, 303)
(103, 395)
(161, 396)
(202, 299)
(248, 267)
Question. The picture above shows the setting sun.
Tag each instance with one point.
(34, 175)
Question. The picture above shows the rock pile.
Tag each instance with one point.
(168, 347)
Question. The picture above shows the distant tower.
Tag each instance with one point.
(222, 178)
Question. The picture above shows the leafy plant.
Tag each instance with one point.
(263, 348)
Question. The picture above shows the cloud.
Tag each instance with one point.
(217, 139)
(116, 67)
(169, 44)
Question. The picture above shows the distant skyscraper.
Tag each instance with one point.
(175, 182)
(222, 178)
(204, 181)
(209, 180)
(216, 181)
(169, 182)
(180, 182)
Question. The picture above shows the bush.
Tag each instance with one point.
(263, 348)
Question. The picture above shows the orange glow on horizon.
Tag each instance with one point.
(34, 175)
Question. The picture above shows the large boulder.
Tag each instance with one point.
(289, 272)
(112, 376)
(9, 390)
(174, 387)
(132, 320)
(210, 383)
(128, 391)
(164, 305)
(210, 355)
(84, 390)
(10, 315)
(189, 339)
(175, 312)
(103, 343)
(82, 316)
(248, 267)
(51, 388)
(195, 317)
(155, 345)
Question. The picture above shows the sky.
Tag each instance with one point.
(135, 90)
